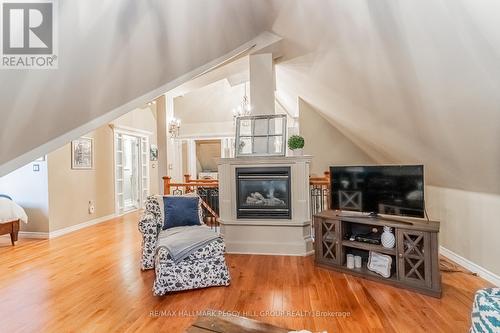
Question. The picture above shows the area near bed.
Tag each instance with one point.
(10, 216)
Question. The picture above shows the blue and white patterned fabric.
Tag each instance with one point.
(205, 267)
(485, 315)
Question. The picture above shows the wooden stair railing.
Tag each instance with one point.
(320, 193)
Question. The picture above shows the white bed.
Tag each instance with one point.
(9, 210)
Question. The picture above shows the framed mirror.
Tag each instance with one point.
(261, 135)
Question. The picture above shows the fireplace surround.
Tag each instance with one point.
(263, 193)
(263, 233)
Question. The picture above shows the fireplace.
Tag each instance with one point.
(263, 193)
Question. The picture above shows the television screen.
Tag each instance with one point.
(394, 190)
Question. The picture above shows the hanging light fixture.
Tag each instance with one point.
(174, 126)
(244, 109)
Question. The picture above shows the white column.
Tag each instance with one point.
(161, 132)
(174, 158)
(191, 158)
(262, 84)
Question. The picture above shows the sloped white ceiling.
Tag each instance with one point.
(112, 52)
(409, 81)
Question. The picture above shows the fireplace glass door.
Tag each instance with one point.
(263, 193)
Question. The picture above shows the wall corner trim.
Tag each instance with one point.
(469, 265)
(67, 230)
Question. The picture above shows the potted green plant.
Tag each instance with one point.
(296, 145)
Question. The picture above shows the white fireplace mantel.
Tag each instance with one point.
(266, 236)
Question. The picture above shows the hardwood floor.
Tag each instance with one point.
(90, 281)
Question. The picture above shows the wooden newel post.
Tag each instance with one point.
(187, 180)
(166, 185)
(328, 190)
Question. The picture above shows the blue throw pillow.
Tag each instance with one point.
(5, 196)
(180, 211)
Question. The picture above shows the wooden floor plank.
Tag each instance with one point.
(90, 281)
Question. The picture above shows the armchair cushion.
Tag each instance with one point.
(181, 211)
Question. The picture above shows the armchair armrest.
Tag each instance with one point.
(149, 225)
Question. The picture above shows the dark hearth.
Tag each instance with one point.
(263, 193)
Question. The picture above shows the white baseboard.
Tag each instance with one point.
(67, 230)
(469, 265)
(300, 249)
(306, 254)
(32, 234)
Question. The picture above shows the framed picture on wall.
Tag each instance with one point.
(153, 152)
(82, 154)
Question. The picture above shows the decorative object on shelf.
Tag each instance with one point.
(372, 237)
(244, 109)
(350, 261)
(260, 135)
(380, 264)
(358, 261)
(174, 126)
(388, 239)
(296, 145)
(82, 154)
(153, 152)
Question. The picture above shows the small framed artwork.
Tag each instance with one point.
(82, 153)
(153, 152)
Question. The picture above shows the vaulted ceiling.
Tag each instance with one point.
(408, 81)
(112, 52)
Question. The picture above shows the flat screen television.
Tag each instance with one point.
(382, 189)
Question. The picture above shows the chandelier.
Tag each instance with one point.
(174, 126)
(244, 109)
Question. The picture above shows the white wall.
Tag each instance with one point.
(205, 113)
(408, 82)
(469, 224)
(325, 143)
(29, 189)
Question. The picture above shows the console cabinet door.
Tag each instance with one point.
(327, 241)
(414, 257)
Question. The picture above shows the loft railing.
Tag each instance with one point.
(207, 189)
(319, 188)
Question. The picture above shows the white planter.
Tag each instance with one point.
(298, 152)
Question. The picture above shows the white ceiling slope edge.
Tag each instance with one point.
(408, 81)
(114, 57)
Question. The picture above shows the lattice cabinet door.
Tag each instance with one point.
(414, 257)
(327, 241)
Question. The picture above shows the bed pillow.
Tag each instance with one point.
(180, 211)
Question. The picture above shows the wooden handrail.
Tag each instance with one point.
(167, 184)
(323, 181)
(187, 179)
